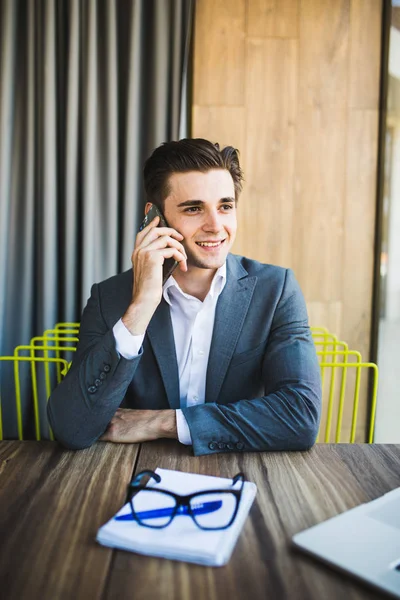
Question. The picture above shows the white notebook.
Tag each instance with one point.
(182, 539)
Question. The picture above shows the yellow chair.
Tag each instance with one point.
(318, 330)
(52, 353)
(336, 360)
(341, 363)
(62, 326)
(33, 383)
(58, 340)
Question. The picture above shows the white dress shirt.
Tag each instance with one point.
(192, 325)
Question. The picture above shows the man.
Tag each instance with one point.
(220, 357)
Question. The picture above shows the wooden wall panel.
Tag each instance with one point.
(219, 48)
(269, 149)
(223, 124)
(319, 201)
(366, 26)
(327, 314)
(359, 222)
(272, 18)
(324, 30)
(295, 86)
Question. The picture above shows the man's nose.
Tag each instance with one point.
(212, 221)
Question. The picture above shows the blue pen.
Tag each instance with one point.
(199, 509)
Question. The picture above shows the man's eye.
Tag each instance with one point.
(192, 209)
(227, 206)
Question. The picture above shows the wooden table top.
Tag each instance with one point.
(53, 501)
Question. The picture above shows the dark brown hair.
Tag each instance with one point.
(184, 156)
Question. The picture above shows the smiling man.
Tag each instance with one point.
(220, 356)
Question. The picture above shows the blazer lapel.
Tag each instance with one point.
(230, 314)
(161, 338)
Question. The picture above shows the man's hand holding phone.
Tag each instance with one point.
(154, 245)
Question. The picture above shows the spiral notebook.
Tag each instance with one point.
(182, 539)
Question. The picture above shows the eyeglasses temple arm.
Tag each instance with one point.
(137, 479)
(238, 477)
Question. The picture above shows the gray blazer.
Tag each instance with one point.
(263, 389)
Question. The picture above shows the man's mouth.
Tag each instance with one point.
(210, 244)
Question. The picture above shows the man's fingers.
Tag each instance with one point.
(176, 255)
(142, 234)
(152, 233)
(164, 241)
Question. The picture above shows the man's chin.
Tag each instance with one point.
(201, 259)
(206, 263)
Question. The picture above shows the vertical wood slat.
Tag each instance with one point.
(365, 56)
(319, 184)
(326, 314)
(359, 235)
(219, 53)
(321, 147)
(269, 151)
(223, 124)
(324, 39)
(272, 18)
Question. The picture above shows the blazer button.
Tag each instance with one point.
(230, 446)
(92, 389)
(107, 368)
(240, 446)
(221, 445)
(98, 382)
(213, 445)
(102, 375)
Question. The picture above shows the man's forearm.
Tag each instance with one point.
(284, 420)
(81, 407)
(134, 426)
(166, 424)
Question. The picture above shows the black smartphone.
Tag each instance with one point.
(169, 263)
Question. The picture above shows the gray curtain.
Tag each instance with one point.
(87, 89)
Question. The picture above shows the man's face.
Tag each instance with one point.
(201, 206)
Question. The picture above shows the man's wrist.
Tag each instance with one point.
(166, 424)
(136, 319)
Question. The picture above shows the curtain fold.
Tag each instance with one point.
(87, 90)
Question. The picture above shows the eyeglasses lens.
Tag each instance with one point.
(213, 510)
(152, 508)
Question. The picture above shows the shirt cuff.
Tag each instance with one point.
(183, 429)
(128, 346)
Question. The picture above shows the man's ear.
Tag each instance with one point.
(147, 207)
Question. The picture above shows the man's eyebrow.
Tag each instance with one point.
(200, 202)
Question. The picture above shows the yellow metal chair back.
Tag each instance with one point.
(338, 365)
(337, 361)
(59, 341)
(51, 353)
(31, 382)
(69, 326)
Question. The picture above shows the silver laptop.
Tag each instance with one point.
(364, 541)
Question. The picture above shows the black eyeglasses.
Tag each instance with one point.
(156, 508)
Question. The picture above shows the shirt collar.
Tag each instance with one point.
(217, 285)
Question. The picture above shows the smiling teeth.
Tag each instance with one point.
(209, 244)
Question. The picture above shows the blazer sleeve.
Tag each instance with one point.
(82, 405)
(287, 417)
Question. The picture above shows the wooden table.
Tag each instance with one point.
(53, 501)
